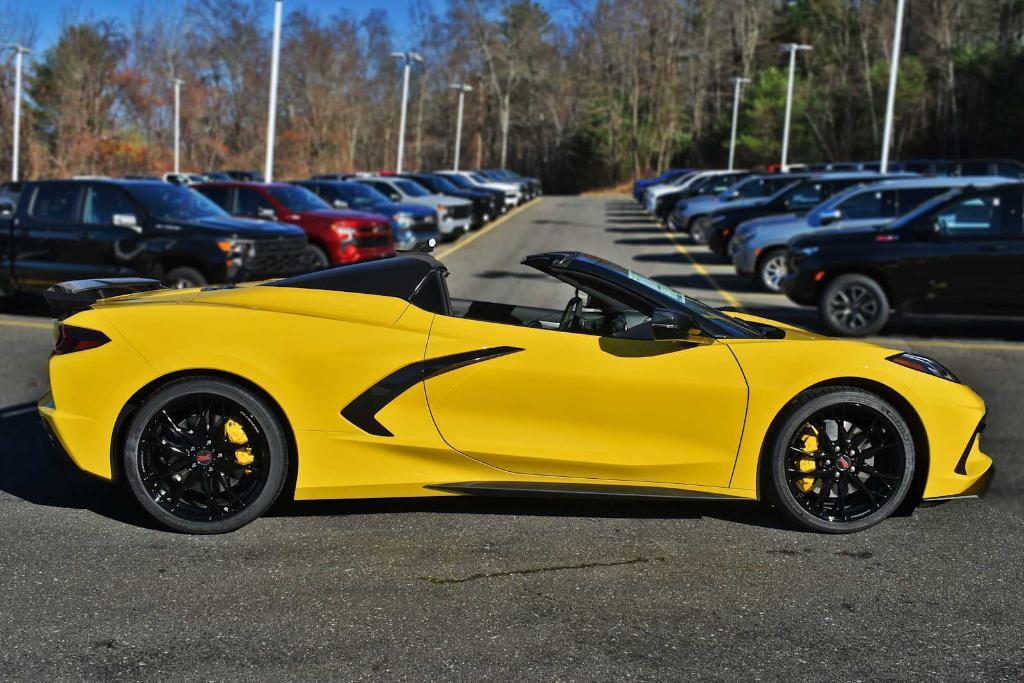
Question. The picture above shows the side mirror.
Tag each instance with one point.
(340, 204)
(732, 195)
(126, 220)
(832, 216)
(266, 212)
(6, 208)
(667, 325)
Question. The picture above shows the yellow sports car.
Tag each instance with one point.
(369, 380)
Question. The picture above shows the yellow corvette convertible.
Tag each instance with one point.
(369, 380)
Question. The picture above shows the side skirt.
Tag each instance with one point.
(556, 490)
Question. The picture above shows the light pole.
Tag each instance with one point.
(275, 60)
(407, 58)
(19, 53)
(463, 89)
(738, 83)
(792, 48)
(177, 123)
(890, 105)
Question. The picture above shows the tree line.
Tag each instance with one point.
(582, 93)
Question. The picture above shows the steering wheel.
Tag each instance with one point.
(571, 315)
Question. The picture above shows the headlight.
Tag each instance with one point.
(237, 249)
(924, 364)
(442, 210)
(404, 220)
(744, 236)
(345, 231)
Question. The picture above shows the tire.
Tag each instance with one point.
(184, 277)
(700, 230)
(771, 268)
(204, 483)
(867, 478)
(854, 306)
(318, 258)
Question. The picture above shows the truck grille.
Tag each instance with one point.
(279, 257)
(377, 235)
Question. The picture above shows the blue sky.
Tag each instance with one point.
(47, 14)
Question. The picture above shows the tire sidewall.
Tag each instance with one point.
(257, 408)
(868, 283)
(804, 408)
(318, 258)
(194, 277)
(762, 266)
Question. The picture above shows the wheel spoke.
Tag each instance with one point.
(841, 503)
(856, 481)
(881, 475)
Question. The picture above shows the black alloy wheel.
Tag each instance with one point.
(854, 306)
(205, 456)
(843, 461)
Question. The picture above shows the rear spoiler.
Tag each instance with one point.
(67, 298)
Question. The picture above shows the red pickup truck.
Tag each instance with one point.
(335, 236)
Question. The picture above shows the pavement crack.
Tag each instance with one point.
(438, 581)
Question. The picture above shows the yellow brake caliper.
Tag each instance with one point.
(808, 464)
(237, 435)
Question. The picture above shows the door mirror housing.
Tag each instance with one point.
(6, 208)
(832, 216)
(126, 220)
(340, 204)
(267, 213)
(667, 325)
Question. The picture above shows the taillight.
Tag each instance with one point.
(71, 339)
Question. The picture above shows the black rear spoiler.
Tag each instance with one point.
(67, 298)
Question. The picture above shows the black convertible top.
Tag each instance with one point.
(416, 277)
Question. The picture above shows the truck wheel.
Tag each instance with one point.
(700, 230)
(318, 259)
(854, 306)
(184, 277)
(771, 269)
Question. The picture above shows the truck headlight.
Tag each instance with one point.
(404, 220)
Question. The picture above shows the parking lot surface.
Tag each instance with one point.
(465, 589)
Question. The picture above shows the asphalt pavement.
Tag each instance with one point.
(467, 589)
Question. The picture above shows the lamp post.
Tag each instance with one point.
(792, 48)
(738, 83)
(890, 105)
(275, 60)
(407, 58)
(463, 89)
(19, 54)
(177, 123)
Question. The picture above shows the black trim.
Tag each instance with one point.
(362, 411)
(961, 465)
(559, 490)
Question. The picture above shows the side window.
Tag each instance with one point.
(973, 217)
(248, 202)
(55, 202)
(103, 202)
(218, 195)
(911, 199)
(805, 197)
(871, 204)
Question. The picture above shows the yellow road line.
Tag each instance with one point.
(970, 346)
(727, 296)
(483, 231)
(26, 323)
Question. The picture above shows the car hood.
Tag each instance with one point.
(331, 215)
(417, 210)
(776, 222)
(242, 227)
(445, 200)
(840, 236)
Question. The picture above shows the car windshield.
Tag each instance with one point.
(410, 188)
(443, 185)
(298, 199)
(459, 181)
(359, 196)
(166, 202)
(479, 178)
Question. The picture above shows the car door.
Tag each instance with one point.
(48, 238)
(251, 203)
(578, 405)
(111, 244)
(870, 207)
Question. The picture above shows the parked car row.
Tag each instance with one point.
(195, 229)
(860, 245)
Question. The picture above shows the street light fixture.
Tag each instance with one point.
(894, 70)
(177, 82)
(792, 48)
(738, 83)
(407, 58)
(275, 61)
(463, 89)
(19, 53)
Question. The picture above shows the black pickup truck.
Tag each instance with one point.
(57, 230)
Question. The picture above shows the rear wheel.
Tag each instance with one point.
(843, 460)
(184, 277)
(205, 456)
(854, 306)
(771, 269)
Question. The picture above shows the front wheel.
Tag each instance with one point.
(771, 269)
(205, 456)
(842, 461)
(854, 306)
(700, 230)
(318, 259)
(184, 277)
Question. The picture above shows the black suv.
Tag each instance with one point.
(961, 252)
(81, 229)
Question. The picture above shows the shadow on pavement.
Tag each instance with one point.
(26, 304)
(33, 469)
